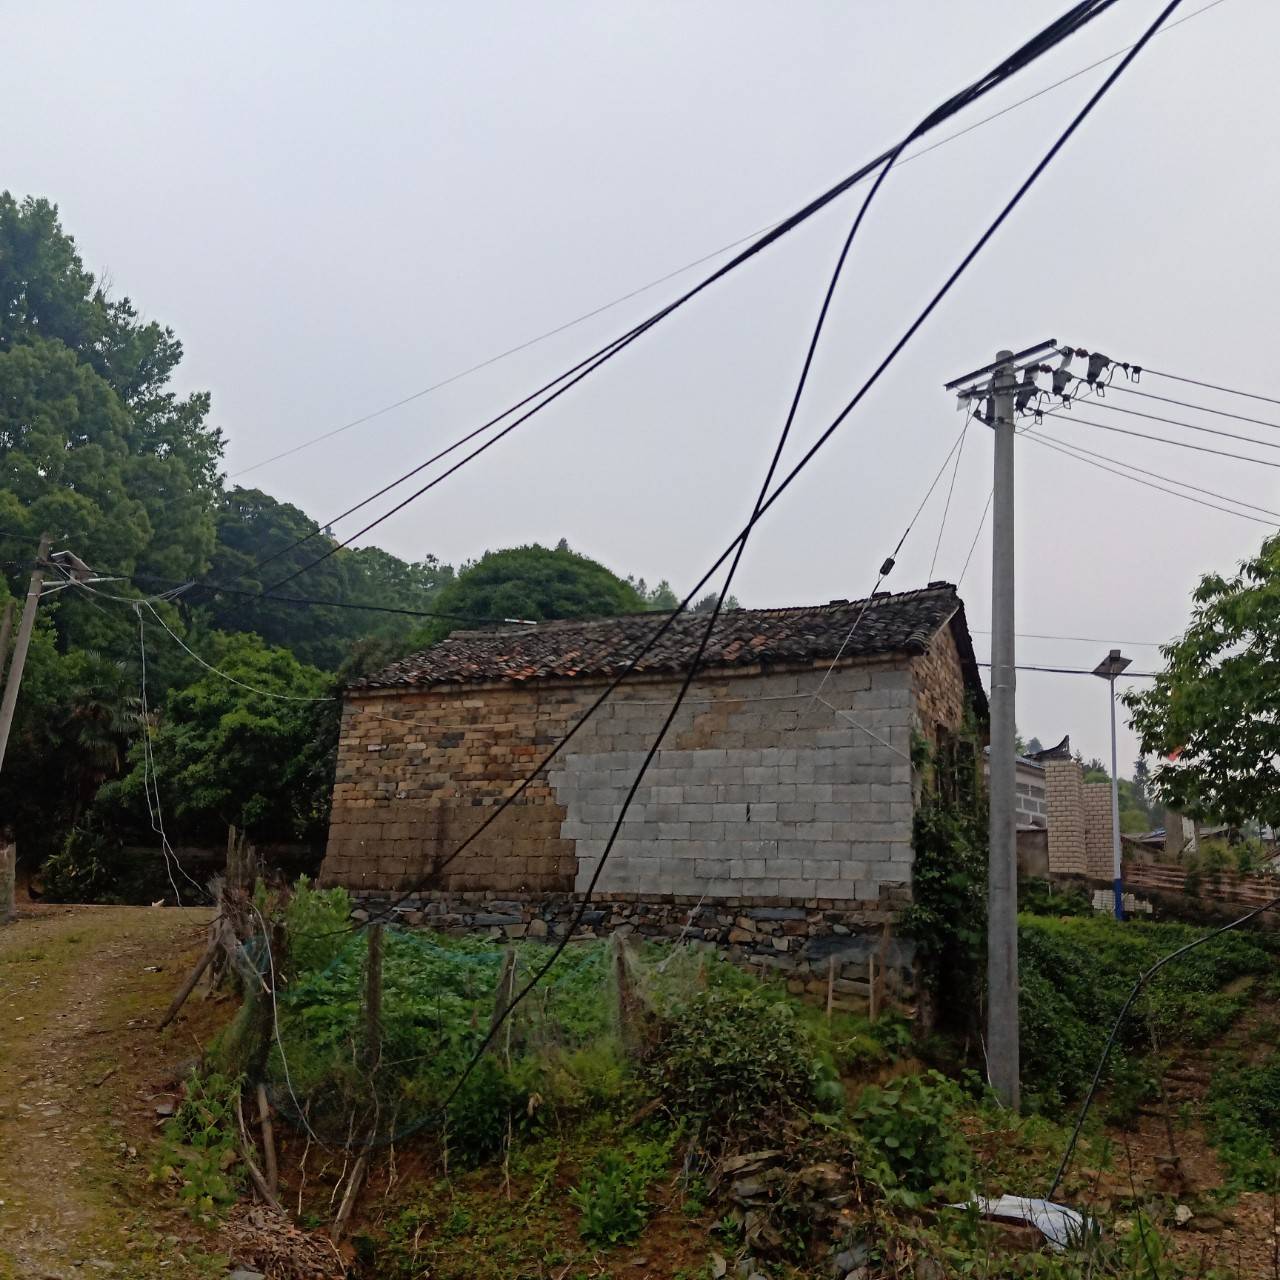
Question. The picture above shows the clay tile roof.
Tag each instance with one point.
(601, 647)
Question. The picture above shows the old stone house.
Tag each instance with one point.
(783, 793)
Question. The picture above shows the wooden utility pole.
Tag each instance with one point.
(20, 647)
(6, 628)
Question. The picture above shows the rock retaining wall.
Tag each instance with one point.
(809, 944)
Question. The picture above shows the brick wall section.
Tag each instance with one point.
(418, 771)
(1064, 787)
(762, 795)
(1097, 829)
(938, 683)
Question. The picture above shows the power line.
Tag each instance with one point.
(1041, 635)
(1155, 475)
(825, 436)
(946, 510)
(1072, 21)
(1181, 444)
(1081, 671)
(688, 266)
(1102, 466)
(1173, 422)
(1210, 386)
(977, 533)
(764, 502)
(1188, 404)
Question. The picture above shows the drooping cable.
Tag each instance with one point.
(1012, 203)
(763, 503)
(689, 266)
(1070, 22)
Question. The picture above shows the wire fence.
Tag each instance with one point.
(363, 1045)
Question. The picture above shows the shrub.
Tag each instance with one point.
(909, 1133)
(84, 869)
(1245, 1110)
(317, 921)
(733, 1059)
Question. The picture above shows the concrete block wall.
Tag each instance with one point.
(760, 795)
(1064, 798)
(763, 793)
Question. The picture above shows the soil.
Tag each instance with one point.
(84, 1073)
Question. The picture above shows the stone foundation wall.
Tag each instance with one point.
(802, 942)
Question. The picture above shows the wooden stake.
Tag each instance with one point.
(831, 984)
(502, 996)
(192, 978)
(268, 1141)
(349, 1197)
(246, 1150)
(373, 999)
(873, 1001)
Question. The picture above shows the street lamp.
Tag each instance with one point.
(1110, 667)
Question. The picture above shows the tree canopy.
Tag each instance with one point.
(531, 582)
(1216, 707)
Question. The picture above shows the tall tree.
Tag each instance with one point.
(1216, 707)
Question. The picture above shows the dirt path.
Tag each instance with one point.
(79, 1066)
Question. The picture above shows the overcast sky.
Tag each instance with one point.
(336, 206)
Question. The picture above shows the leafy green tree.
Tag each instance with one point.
(254, 527)
(230, 754)
(1215, 704)
(531, 582)
(659, 599)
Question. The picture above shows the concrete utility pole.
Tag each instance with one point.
(997, 385)
(1002, 873)
(1110, 667)
(20, 646)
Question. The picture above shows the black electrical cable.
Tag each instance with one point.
(1066, 451)
(688, 266)
(327, 604)
(821, 441)
(763, 502)
(1115, 1030)
(1070, 22)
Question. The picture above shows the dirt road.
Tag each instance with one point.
(81, 1075)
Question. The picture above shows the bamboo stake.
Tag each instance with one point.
(349, 1197)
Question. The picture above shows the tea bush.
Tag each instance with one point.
(734, 1059)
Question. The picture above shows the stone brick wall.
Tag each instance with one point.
(938, 681)
(761, 795)
(1064, 796)
(1097, 829)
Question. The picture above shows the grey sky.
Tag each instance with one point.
(335, 206)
